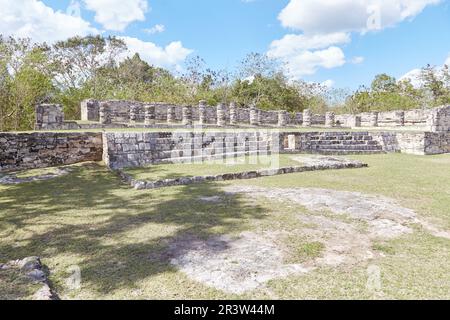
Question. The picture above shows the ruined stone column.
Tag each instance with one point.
(170, 114)
(307, 118)
(233, 114)
(400, 118)
(330, 118)
(260, 119)
(104, 115)
(133, 114)
(49, 116)
(187, 116)
(355, 121)
(282, 118)
(202, 112)
(221, 115)
(254, 116)
(150, 116)
(373, 119)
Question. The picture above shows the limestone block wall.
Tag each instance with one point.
(439, 119)
(436, 143)
(318, 119)
(343, 120)
(48, 116)
(42, 149)
(390, 118)
(419, 143)
(90, 110)
(416, 117)
(119, 112)
(139, 149)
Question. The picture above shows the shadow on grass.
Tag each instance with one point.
(91, 215)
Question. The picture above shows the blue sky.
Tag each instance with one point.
(325, 42)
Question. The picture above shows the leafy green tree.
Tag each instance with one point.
(436, 83)
(25, 81)
(77, 62)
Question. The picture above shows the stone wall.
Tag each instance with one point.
(139, 149)
(119, 112)
(419, 143)
(48, 116)
(439, 119)
(42, 149)
(416, 118)
(20, 151)
(90, 110)
(437, 143)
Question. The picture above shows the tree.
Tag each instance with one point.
(77, 62)
(253, 69)
(384, 83)
(436, 84)
(25, 80)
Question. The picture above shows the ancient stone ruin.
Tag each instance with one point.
(424, 131)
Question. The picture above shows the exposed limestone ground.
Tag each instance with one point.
(232, 265)
(384, 217)
(319, 160)
(14, 179)
(347, 224)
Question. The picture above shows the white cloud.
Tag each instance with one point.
(357, 60)
(74, 9)
(414, 74)
(169, 57)
(328, 83)
(155, 29)
(33, 19)
(117, 14)
(298, 54)
(308, 62)
(414, 77)
(326, 24)
(324, 16)
(292, 44)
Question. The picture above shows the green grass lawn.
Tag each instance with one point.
(89, 219)
(213, 167)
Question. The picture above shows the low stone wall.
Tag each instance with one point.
(42, 149)
(439, 119)
(48, 116)
(123, 150)
(315, 164)
(435, 119)
(119, 112)
(416, 117)
(419, 143)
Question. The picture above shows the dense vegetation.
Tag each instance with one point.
(96, 67)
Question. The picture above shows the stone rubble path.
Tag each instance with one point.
(11, 179)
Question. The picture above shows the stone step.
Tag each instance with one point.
(344, 152)
(201, 158)
(212, 151)
(341, 138)
(341, 142)
(341, 147)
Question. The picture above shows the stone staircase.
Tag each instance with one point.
(340, 143)
(216, 149)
